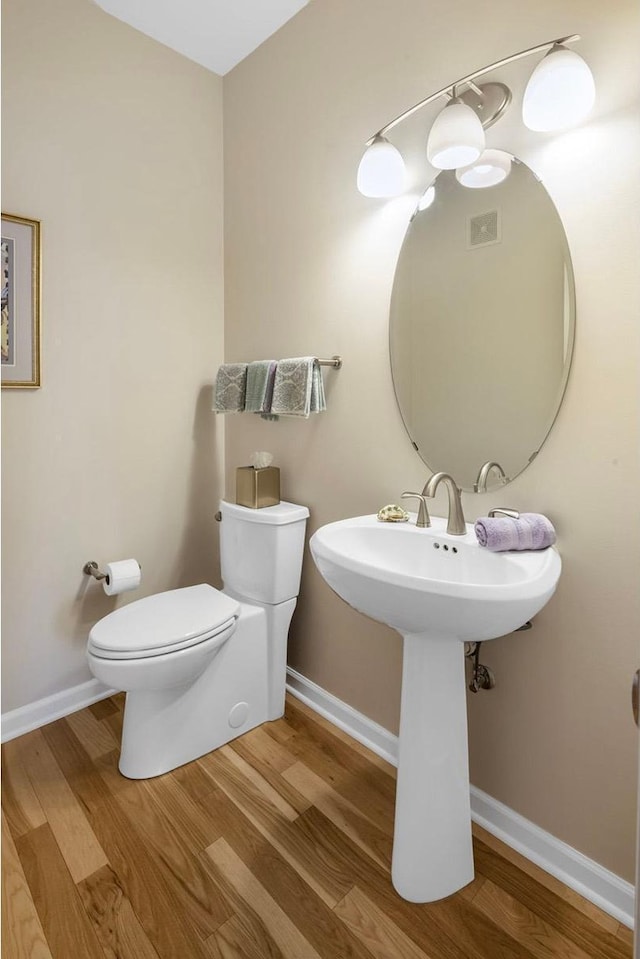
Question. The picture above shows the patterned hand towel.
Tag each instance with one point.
(231, 387)
(268, 393)
(260, 379)
(318, 403)
(257, 399)
(298, 389)
(500, 533)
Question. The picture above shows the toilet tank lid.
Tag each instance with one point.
(278, 515)
(164, 619)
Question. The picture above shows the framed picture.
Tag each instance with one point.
(20, 343)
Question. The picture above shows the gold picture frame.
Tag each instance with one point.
(21, 297)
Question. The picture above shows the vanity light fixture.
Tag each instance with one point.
(456, 138)
(491, 168)
(560, 93)
(382, 171)
(427, 198)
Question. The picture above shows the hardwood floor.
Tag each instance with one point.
(276, 846)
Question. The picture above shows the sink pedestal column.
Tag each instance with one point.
(432, 852)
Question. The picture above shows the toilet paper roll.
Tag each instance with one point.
(123, 575)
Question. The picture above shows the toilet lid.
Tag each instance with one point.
(167, 621)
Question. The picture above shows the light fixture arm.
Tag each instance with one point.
(447, 91)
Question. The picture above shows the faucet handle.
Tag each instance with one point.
(423, 519)
(504, 511)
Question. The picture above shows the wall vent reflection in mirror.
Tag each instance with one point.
(483, 229)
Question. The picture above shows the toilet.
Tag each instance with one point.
(201, 666)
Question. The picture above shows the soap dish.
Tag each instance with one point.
(393, 514)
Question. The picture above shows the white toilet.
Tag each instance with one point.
(201, 666)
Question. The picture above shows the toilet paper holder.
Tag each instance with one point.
(119, 576)
(92, 569)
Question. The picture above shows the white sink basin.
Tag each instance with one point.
(438, 591)
(425, 579)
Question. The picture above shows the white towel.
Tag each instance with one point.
(298, 389)
(231, 387)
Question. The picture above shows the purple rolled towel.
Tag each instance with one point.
(529, 531)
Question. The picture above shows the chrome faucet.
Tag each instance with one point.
(483, 475)
(456, 525)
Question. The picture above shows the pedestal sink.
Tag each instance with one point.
(438, 591)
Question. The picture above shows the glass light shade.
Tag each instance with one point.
(456, 138)
(427, 198)
(381, 172)
(560, 92)
(491, 167)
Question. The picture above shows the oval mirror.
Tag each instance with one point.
(482, 326)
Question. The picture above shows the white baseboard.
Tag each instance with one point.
(43, 711)
(587, 877)
(609, 892)
(378, 739)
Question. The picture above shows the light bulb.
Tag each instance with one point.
(560, 91)
(381, 172)
(456, 138)
(492, 167)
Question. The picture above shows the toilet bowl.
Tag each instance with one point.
(201, 666)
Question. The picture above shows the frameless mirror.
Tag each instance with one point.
(482, 327)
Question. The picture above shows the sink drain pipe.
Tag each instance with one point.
(481, 676)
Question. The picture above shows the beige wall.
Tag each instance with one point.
(309, 269)
(115, 143)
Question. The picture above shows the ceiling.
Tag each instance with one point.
(217, 34)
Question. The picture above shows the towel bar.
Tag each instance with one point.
(335, 362)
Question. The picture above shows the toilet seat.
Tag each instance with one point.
(164, 623)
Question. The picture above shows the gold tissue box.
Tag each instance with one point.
(257, 488)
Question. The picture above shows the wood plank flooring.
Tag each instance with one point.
(276, 846)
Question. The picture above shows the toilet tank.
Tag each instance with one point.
(261, 550)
